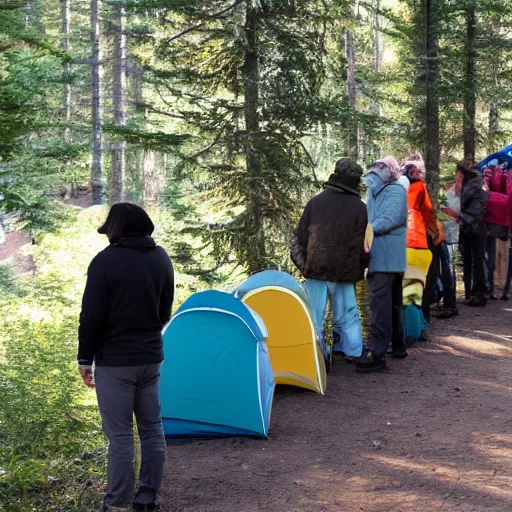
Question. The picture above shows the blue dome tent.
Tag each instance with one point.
(216, 379)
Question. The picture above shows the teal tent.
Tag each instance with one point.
(216, 379)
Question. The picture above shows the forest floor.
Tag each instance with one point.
(432, 433)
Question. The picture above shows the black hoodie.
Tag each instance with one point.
(127, 300)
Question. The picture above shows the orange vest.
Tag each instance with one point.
(421, 218)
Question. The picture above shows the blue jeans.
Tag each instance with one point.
(346, 324)
(448, 278)
(490, 262)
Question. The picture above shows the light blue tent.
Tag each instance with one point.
(216, 379)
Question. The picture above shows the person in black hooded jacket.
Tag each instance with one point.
(329, 250)
(127, 301)
(473, 233)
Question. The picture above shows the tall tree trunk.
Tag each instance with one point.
(350, 54)
(98, 188)
(66, 17)
(378, 48)
(257, 255)
(470, 86)
(432, 149)
(149, 177)
(494, 126)
(119, 103)
(28, 12)
(494, 107)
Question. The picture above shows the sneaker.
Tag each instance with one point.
(371, 363)
(479, 301)
(504, 297)
(492, 297)
(447, 313)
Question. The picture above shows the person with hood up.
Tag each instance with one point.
(387, 213)
(473, 233)
(329, 251)
(127, 300)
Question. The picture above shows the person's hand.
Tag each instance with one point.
(366, 247)
(86, 373)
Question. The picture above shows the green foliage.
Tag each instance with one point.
(44, 423)
(48, 420)
(196, 62)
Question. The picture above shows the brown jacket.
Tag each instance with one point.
(329, 242)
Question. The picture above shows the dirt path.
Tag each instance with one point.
(434, 433)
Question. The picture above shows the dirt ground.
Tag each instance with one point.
(433, 433)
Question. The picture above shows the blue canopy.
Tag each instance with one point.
(503, 156)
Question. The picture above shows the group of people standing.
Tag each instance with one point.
(407, 248)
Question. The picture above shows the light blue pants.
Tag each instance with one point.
(346, 323)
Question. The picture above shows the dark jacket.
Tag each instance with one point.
(473, 202)
(329, 242)
(127, 300)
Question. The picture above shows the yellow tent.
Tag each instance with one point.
(295, 353)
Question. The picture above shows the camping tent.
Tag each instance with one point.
(216, 378)
(503, 156)
(295, 353)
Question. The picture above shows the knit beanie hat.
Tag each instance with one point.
(347, 173)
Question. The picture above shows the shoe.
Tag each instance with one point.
(504, 297)
(371, 363)
(423, 337)
(479, 301)
(492, 297)
(447, 313)
(399, 353)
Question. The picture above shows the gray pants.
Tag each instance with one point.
(121, 392)
(386, 311)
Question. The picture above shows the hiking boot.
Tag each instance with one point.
(447, 313)
(479, 301)
(399, 353)
(371, 363)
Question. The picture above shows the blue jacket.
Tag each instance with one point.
(387, 213)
